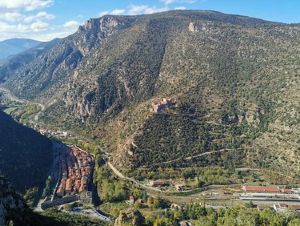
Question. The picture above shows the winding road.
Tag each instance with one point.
(122, 176)
(9, 95)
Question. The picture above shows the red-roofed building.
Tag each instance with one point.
(265, 189)
(158, 183)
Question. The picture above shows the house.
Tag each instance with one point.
(185, 223)
(68, 186)
(179, 187)
(175, 206)
(286, 191)
(280, 207)
(261, 208)
(131, 200)
(294, 207)
(163, 104)
(158, 183)
(43, 131)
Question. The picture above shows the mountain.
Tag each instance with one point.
(15, 46)
(25, 155)
(173, 89)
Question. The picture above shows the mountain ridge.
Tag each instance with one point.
(223, 72)
(11, 47)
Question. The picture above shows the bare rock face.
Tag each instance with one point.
(192, 27)
(130, 217)
(104, 23)
(108, 23)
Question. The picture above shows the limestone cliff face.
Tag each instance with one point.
(95, 30)
(130, 217)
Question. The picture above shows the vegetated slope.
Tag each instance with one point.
(14, 63)
(15, 46)
(25, 155)
(233, 84)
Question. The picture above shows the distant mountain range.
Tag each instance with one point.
(14, 46)
(173, 89)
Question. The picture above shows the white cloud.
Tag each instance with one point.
(14, 17)
(13, 30)
(135, 10)
(27, 5)
(168, 2)
(118, 11)
(38, 16)
(38, 30)
(18, 20)
(71, 24)
(22, 28)
(47, 36)
(103, 13)
(11, 16)
(39, 26)
(180, 8)
(144, 9)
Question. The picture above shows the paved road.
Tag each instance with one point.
(90, 213)
(12, 97)
(156, 190)
(122, 176)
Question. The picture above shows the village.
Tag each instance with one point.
(74, 172)
(54, 133)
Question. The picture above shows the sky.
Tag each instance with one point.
(47, 19)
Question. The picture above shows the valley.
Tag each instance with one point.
(182, 115)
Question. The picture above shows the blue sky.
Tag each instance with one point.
(47, 19)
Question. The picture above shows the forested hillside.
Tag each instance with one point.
(25, 155)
